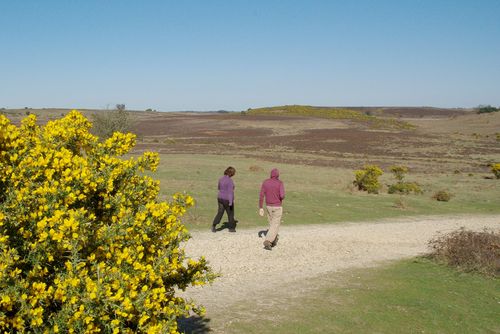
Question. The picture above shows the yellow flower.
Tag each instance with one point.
(89, 226)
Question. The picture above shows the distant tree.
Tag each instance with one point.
(109, 122)
(481, 109)
(120, 107)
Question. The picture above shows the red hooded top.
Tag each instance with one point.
(273, 190)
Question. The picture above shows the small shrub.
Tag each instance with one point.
(255, 168)
(469, 251)
(405, 188)
(366, 179)
(442, 196)
(495, 168)
(399, 172)
(401, 186)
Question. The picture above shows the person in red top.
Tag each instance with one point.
(273, 191)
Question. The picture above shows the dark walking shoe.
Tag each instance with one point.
(267, 245)
(213, 229)
(232, 230)
(275, 242)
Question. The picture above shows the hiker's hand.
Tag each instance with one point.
(261, 212)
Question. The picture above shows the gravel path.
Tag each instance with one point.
(309, 251)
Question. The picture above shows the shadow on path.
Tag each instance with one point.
(227, 226)
(194, 325)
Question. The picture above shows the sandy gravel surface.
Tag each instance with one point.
(249, 272)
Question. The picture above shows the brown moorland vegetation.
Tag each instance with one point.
(437, 139)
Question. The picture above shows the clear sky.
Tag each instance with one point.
(235, 54)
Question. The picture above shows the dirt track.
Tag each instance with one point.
(249, 272)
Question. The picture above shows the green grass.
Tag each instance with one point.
(411, 296)
(317, 195)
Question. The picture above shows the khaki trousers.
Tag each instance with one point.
(274, 214)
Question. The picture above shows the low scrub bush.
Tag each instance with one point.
(85, 244)
(255, 168)
(366, 179)
(469, 251)
(442, 196)
(404, 188)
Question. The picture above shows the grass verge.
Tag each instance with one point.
(410, 296)
(317, 195)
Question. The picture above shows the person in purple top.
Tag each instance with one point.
(225, 200)
(273, 191)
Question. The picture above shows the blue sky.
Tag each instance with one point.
(234, 55)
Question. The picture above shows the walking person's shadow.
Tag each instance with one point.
(227, 226)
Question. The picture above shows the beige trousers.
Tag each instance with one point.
(274, 214)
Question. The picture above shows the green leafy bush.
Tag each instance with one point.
(85, 244)
(486, 109)
(366, 179)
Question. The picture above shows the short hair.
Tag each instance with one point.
(230, 171)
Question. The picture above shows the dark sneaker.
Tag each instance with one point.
(213, 229)
(275, 242)
(232, 230)
(267, 245)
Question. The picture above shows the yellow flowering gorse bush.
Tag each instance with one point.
(85, 245)
(495, 169)
(366, 179)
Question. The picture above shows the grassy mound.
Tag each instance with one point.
(332, 113)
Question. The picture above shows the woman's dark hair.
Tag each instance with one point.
(230, 171)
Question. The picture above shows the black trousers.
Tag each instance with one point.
(224, 206)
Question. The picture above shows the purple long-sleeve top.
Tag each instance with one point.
(226, 189)
(273, 190)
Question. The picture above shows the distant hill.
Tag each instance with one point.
(371, 117)
(361, 112)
